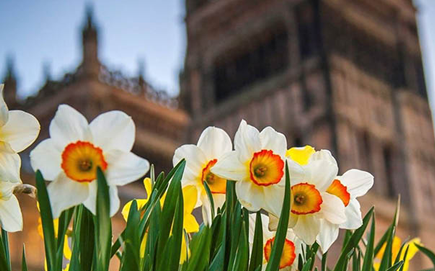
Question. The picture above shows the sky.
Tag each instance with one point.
(48, 33)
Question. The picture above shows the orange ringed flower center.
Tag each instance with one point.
(216, 184)
(306, 199)
(80, 161)
(338, 189)
(266, 168)
(288, 253)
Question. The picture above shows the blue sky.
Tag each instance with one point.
(38, 33)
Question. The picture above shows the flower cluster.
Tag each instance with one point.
(322, 202)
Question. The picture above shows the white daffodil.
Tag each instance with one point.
(292, 245)
(257, 166)
(18, 130)
(313, 209)
(200, 159)
(11, 219)
(75, 149)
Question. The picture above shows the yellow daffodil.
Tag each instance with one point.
(397, 243)
(70, 157)
(190, 224)
(200, 161)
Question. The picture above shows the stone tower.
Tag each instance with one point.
(336, 74)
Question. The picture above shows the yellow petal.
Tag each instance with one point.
(143, 245)
(190, 224)
(190, 197)
(300, 155)
(411, 251)
(185, 253)
(66, 250)
(147, 183)
(126, 210)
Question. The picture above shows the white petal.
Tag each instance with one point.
(274, 198)
(114, 200)
(307, 228)
(229, 167)
(273, 222)
(247, 141)
(124, 167)
(4, 111)
(47, 159)
(297, 173)
(10, 164)
(321, 170)
(11, 218)
(91, 201)
(332, 209)
(195, 161)
(328, 234)
(214, 142)
(250, 196)
(113, 130)
(20, 131)
(358, 182)
(68, 126)
(65, 193)
(353, 215)
(272, 140)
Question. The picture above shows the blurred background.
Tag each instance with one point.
(356, 77)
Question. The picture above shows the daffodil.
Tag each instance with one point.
(292, 245)
(11, 219)
(18, 130)
(257, 166)
(314, 211)
(395, 249)
(190, 224)
(70, 157)
(352, 184)
(200, 160)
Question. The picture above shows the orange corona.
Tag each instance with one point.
(306, 199)
(339, 190)
(288, 255)
(80, 161)
(266, 168)
(216, 184)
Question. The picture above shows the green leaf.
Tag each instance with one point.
(47, 222)
(281, 232)
(103, 225)
(324, 260)
(369, 254)
(353, 242)
(386, 260)
(177, 234)
(257, 246)
(5, 240)
(200, 243)
(130, 259)
(64, 221)
(23, 260)
(428, 253)
(242, 253)
(396, 266)
(210, 198)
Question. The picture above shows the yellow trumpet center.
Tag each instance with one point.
(80, 161)
(266, 168)
(306, 199)
(288, 255)
(216, 184)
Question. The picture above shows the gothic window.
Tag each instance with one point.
(262, 57)
(306, 29)
(388, 167)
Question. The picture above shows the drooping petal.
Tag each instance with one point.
(353, 216)
(358, 182)
(11, 218)
(10, 164)
(321, 170)
(229, 167)
(327, 235)
(68, 126)
(124, 167)
(20, 131)
(47, 158)
(246, 141)
(333, 209)
(114, 200)
(4, 111)
(307, 228)
(113, 130)
(272, 140)
(65, 193)
(214, 142)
